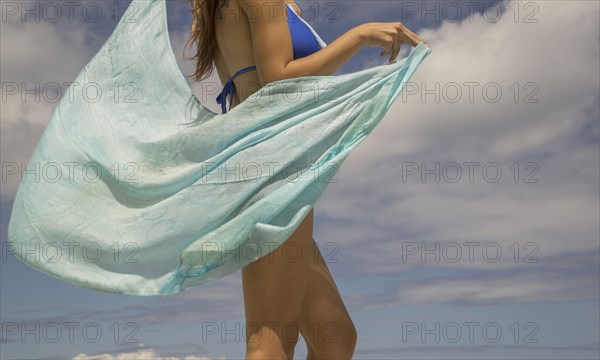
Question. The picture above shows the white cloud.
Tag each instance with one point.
(371, 213)
(504, 52)
(139, 355)
(533, 286)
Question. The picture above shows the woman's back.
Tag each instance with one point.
(234, 50)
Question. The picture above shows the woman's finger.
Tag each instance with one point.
(410, 36)
(396, 45)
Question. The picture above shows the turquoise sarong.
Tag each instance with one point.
(136, 188)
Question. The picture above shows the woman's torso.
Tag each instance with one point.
(234, 51)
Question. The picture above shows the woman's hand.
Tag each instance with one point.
(388, 35)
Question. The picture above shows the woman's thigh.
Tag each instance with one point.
(325, 322)
(274, 288)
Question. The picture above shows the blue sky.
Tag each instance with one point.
(379, 225)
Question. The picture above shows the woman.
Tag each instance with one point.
(143, 180)
(258, 36)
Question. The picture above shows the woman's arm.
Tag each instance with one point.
(273, 51)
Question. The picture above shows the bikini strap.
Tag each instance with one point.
(229, 89)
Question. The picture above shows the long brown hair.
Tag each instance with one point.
(202, 34)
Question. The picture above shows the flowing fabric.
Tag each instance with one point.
(144, 191)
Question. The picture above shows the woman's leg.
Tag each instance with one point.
(274, 287)
(325, 324)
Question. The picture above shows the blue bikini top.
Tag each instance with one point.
(305, 41)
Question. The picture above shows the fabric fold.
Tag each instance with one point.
(145, 191)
